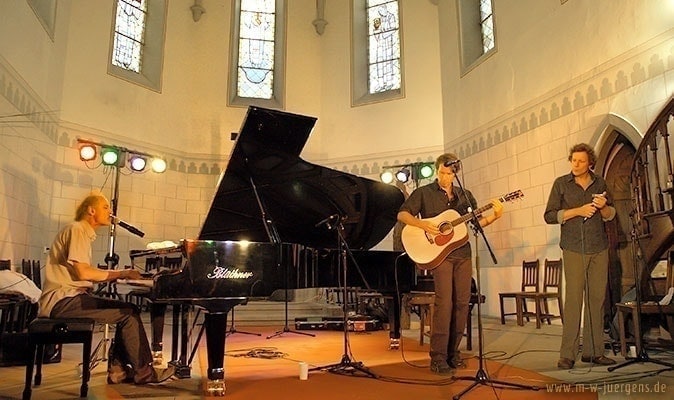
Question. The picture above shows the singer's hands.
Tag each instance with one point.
(599, 200)
(587, 210)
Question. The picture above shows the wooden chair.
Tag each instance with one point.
(627, 312)
(530, 273)
(552, 290)
(424, 302)
(5, 265)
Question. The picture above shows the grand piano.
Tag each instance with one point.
(270, 209)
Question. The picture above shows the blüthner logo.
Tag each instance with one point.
(229, 273)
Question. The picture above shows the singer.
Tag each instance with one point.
(68, 278)
(578, 201)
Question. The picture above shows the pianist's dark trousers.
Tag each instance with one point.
(130, 344)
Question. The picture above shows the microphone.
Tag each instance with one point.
(128, 227)
(326, 220)
(453, 162)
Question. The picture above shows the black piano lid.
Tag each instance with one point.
(296, 194)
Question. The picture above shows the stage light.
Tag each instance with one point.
(158, 165)
(426, 171)
(137, 163)
(386, 177)
(403, 175)
(112, 156)
(87, 152)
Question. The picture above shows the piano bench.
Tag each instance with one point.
(42, 331)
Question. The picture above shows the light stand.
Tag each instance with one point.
(642, 355)
(100, 353)
(481, 377)
(346, 365)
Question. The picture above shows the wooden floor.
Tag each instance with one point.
(261, 368)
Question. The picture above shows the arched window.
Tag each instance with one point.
(376, 66)
(258, 53)
(137, 48)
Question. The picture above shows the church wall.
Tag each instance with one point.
(31, 82)
(560, 73)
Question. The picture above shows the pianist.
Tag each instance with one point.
(68, 281)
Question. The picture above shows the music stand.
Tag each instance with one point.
(346, 365)
(642, 355)
(481, 377)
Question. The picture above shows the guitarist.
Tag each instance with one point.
(452, 278)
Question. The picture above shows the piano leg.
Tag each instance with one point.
(180, 338)
(216, 324)
(157, 313)
(393, 306)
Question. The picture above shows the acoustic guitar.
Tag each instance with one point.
(428, 250)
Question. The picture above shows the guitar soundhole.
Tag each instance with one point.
(445, 228)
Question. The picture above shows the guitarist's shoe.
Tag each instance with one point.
(441, 367)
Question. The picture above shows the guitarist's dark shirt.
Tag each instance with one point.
(430, 200)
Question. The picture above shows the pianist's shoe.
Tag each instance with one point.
(152, 375)
(119, 374)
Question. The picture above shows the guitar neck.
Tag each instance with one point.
(466, 217)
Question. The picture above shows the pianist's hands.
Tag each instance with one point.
(130, 274)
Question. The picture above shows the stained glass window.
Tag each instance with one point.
(257, 26)
(129, 34)
(383, 46)
(487, 25)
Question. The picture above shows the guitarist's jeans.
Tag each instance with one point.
(452, 295)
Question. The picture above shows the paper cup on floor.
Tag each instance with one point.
(304, 371)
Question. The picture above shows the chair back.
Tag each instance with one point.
(173, 262)
(152, 263)
(530, 273)
(37, 276)
(5, 265)
(669, 280)
(552, 275)
(27, 268)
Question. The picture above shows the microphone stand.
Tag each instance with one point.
(347, 365)
(481, 377)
